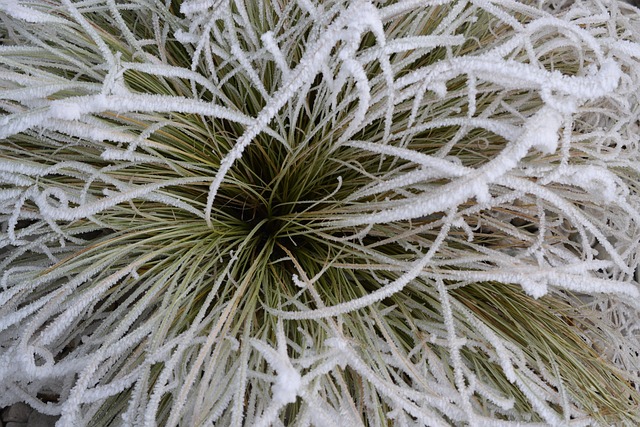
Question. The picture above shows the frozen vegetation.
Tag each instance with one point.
(411, 213)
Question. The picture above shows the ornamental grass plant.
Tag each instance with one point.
(320, 213)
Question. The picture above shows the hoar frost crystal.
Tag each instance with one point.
(320, 213)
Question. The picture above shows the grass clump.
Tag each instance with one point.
(300, 213)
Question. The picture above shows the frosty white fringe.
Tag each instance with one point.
(320, 213)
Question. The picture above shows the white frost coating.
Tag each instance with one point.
(514, 75)
(471, 161)
(543, 130)
(28, 14)
(142, 103)
(185, 37)
(443, 167)
(67, 110)
(540, 131)
(418, 42)
(597, 181)
(288, 382)
(66, 213)
(271, 45)
(287, 385)
(169, 71)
